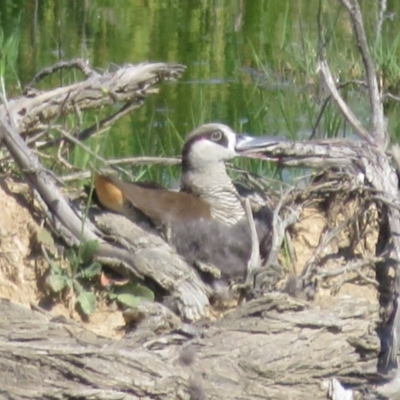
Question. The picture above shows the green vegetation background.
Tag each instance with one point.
(251, 64)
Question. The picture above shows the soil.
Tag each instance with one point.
(23, 267)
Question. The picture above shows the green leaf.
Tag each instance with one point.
(91, 271)
(144, 292)
(112, 295)
(136, 290)
(73, 260)
(44, 237)
(129, 299)
(78, 288)
(70, 282)
(87, 250)
(57, 282)
(55, 268)
(87, 301)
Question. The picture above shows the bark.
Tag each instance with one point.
(275, 347)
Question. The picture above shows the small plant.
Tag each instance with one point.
(131, 294)
(81, 267)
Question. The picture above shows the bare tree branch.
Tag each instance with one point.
(343, 107)
(379, 132)
(41, 181)
(78, 63)
(255, 259)
(380, 17)
(129, 84)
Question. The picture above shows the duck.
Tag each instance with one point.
(206, 217)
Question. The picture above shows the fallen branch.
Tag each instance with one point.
(129, 84)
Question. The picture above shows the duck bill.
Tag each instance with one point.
(247, 144)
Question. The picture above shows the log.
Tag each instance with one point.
(274, 347)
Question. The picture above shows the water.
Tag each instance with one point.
(250, 64)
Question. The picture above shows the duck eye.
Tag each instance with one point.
(216, 136)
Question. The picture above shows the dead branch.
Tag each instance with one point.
(386, 182)
(366, 163)
(255, 259)
(343, 107)
(41, 181)
(379, 132)
(79, 64)
(133, 161)
(129, 84)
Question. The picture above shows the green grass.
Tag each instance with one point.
(9, 51)
(386, 55)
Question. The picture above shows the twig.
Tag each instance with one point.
(326, 102)
(77, 176)
(98, 127)
(133, 161)
(77, 63)
(255, 259)
(325, 239)
(387, 201)
(106, 123)
(78, 143)
(61, 159)
(279, 228)
(380, 18)
(391, 96)
(378, 118)
(290, 250)
(167, 161)
(366, 279)
(343, 107)
(351, 267)
(355, 268)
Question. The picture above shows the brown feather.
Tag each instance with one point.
(157, 203)
(108, 193)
